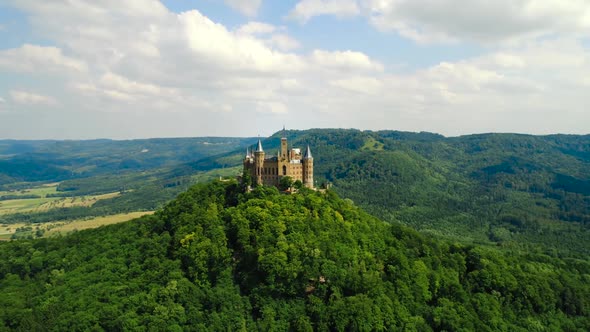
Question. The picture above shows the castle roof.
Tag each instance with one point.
(307, 154)
(259, 147)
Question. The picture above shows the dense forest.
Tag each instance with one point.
(217, 258)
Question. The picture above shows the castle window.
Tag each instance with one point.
(284, 170)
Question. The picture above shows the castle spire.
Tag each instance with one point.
(259, 147)
(307, 154)
(284, 134)
(248, 152)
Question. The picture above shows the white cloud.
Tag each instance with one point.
(29, 98)
(184, 75)
(345, 60)
(481, 21)
(246, 7)
(307, 9)
(272, 107)
(254, 28)
(213, 42)
(283, 42)
(272, 35)
(366, 85)
(33, 58)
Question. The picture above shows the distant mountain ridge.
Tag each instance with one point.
(56, 160)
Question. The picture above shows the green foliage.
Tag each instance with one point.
(217, 258)
(286, 182)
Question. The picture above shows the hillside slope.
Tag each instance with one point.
(215, 259)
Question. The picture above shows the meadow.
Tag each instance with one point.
(51, 229)
(43, 200)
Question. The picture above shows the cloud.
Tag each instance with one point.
(307, 9)
(254, 28)
(345, 60)
(214, 43)
(33, 58)
(447, 21)
(272, 107)
(183, 74)
(366, 85)
(29, 98)
(271, 34)
(246, 7)
(283, 42)
(481, 21)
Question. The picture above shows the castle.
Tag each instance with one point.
(269, 171)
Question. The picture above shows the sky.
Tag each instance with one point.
(84, 69)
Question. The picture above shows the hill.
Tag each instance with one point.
(521, 192)
(216, 259)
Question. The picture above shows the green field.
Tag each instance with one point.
(67, 227)
(45, 203)
(24, 230)
(43, 191)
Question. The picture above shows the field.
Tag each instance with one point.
(42, 202)
(55, 228)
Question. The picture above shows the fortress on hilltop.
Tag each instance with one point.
(268, 171)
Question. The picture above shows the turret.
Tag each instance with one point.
(284, 146)
(308, 168)
(259, 162)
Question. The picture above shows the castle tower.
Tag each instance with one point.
(308, 168)
(284, 146)
(259, 162)
(247, 159)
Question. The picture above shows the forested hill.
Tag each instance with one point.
(216, 259)
(519, 191)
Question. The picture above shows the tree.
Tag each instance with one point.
(285, 183)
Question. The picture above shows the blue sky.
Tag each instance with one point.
(145, 68)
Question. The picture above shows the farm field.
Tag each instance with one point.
(67, 227)
(43, 202)
(63, 227)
